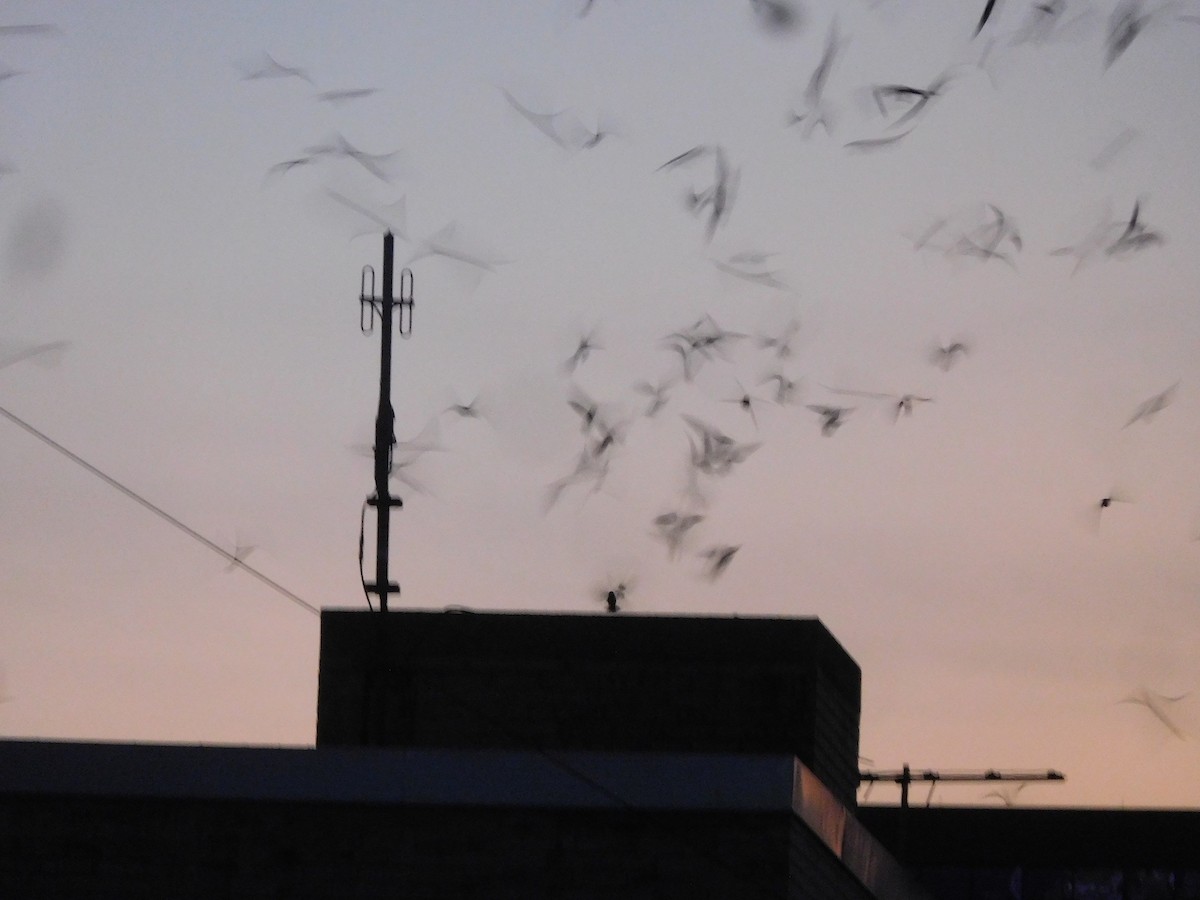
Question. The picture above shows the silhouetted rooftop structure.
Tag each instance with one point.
(592, 682)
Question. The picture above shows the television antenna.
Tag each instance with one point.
(905, 776)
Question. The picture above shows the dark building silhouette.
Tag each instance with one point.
(498, 755)
(965, 853)
(628, 683)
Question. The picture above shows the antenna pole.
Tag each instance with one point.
(388, 309)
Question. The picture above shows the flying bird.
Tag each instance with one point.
(1007, 797)
(40, 30)
(657, 394)
(900, 403)
(270, 68)
(988, 9)
(700, 342)
(1094, 514)
(576, 135)
(1147, 409)
(780, 344)
(719, 558)
(1157, 705)
(338, 146)
(766, 279)
(239, 555)
(673, 527)
(1125, 23)
(543, 122)
(745, 401)
(866, 145)
(1110, 499)
(776, 15)
(786, 390)
(583, 350)
(471, 410)
(1135, 235)
(1114, 148)
(345, 95)
(717, 453)
(914, 99)
(816, 111)
(49, 354)
(287, 165)
(585, 407)
(982, 230)
(832, 417)
(444, 243)
(590, 467)
(719, 196)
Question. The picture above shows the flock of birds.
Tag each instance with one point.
(982, 232)
(704, 363)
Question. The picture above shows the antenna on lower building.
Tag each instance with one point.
(906, 776)
(386, 308)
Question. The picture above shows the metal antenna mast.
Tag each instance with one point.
(384, 307)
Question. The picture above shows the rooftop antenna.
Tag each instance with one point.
(905, 776)
(384, 307)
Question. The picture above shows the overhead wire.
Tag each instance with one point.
(232, 558)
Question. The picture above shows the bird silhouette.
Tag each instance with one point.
(1007, 797)
(1157, 704)
(717, 453)
(988, 8)
(787, 391)
(1096, 513)
(657, 394)
(269, 67)
(718, 197)
(473, 409)
(38, 30)
(345, 95)
(832, 417)
(1147, 409)
(1125, 23)
(867, 145)
(900, 403)
(49, 354)
(781, 344)
(1134, 235)
(816, 111)
(239, 555)
(585, 407)
(583, 350)
(545, 123)
(945, 356)
(776, 16)
(745, 402)
(718, 559)
(614, 595)
(338, 146)
(766, 279)
(445, 243)
(673, 527)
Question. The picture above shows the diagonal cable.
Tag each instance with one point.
(232, 558)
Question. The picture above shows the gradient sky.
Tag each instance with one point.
(216, 367)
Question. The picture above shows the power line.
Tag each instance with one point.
(232, 558)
